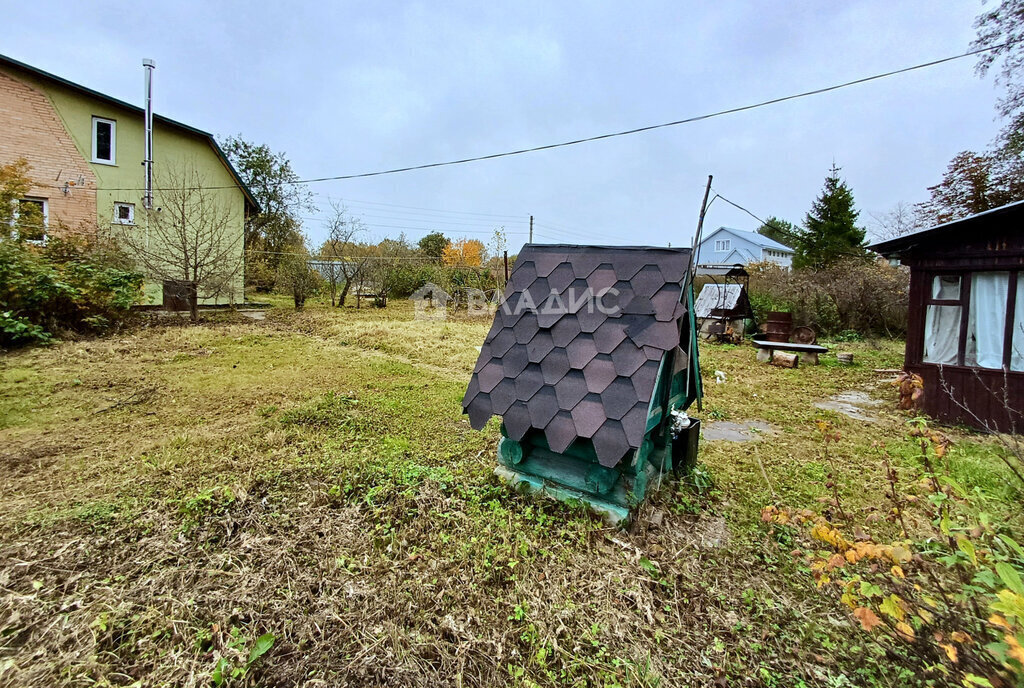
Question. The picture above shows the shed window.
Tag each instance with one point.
(941, 334)
(986, 319)
(1017, 352)
(976, 320)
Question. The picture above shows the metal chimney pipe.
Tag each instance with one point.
(147, 199)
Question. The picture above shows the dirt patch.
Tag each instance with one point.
(854, 404)
(741, 431)
(25, 459)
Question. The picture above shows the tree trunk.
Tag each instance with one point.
(343, 294)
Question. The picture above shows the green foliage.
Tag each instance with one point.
(296, 277)
(273, 182)
(830, 230)
(74, 284)
(782, 231)
(14, 185)
(433, 245)
(946, 595)
(233, 667)
(851, 296)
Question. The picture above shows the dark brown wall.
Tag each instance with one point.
(994, 398)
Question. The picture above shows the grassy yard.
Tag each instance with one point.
(170, 495)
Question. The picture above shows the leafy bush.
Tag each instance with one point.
(74, 284)
(945, 596)
(851, 296)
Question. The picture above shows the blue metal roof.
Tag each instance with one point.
(752, 237)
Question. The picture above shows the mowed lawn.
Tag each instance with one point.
(172, 494)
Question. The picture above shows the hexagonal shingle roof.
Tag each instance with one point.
(575, 361)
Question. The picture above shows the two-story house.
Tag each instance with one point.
(728, 246)
(87, 150)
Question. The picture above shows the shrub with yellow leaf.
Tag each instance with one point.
(948, 599)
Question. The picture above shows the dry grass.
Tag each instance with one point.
(171, 495)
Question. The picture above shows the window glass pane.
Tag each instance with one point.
(103, 140)
(31, 222)
(941, 334)
(1017, 355)
(946, 287)
(986, 319)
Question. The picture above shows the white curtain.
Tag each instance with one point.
(946, 287)
(1017, 355)
(941, 334)
(986, 319)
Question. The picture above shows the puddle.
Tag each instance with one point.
(853, 404)
(746, 431)
(255, 315)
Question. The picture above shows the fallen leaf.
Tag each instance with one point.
(868, 619)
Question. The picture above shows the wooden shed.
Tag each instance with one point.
(965, 334)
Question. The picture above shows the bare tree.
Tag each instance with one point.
(194, 238)
(898, 221)
(343, 261)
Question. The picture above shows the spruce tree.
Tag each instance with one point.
(830, 228)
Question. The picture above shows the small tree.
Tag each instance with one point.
(433, 245)
(343, 259)
(193, 238)
(464, 253)
(391, 265)
(296, 277)
(26, 218)
(830, 229)
(273, 231)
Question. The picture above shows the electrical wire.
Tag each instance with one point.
(638, 130)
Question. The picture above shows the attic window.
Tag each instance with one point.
(104, 141)
(723, 244)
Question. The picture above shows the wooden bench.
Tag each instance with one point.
(808, 352)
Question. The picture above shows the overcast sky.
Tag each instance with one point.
(352, 87)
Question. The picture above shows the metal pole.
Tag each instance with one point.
(688, 291)
(147, 200)
(506, 267)
(531, 229)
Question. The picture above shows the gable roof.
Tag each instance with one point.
(580, 371)
(166, 121)
(753, 237)
(894, 247)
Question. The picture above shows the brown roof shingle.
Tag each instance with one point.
(557, 363)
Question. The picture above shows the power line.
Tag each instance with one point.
(651, 127)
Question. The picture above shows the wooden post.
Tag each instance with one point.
(506, 268)
(531, 229)
(689, 291)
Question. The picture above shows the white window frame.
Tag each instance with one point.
(131, 213)
(113, 140)
(722, 245)
(46, 219)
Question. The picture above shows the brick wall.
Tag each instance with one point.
(33, 130)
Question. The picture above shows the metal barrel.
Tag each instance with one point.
(778, 326)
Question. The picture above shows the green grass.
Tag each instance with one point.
(171, 490)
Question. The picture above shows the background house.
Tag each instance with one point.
(728, 246)
(86, 151)
(965, 330)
